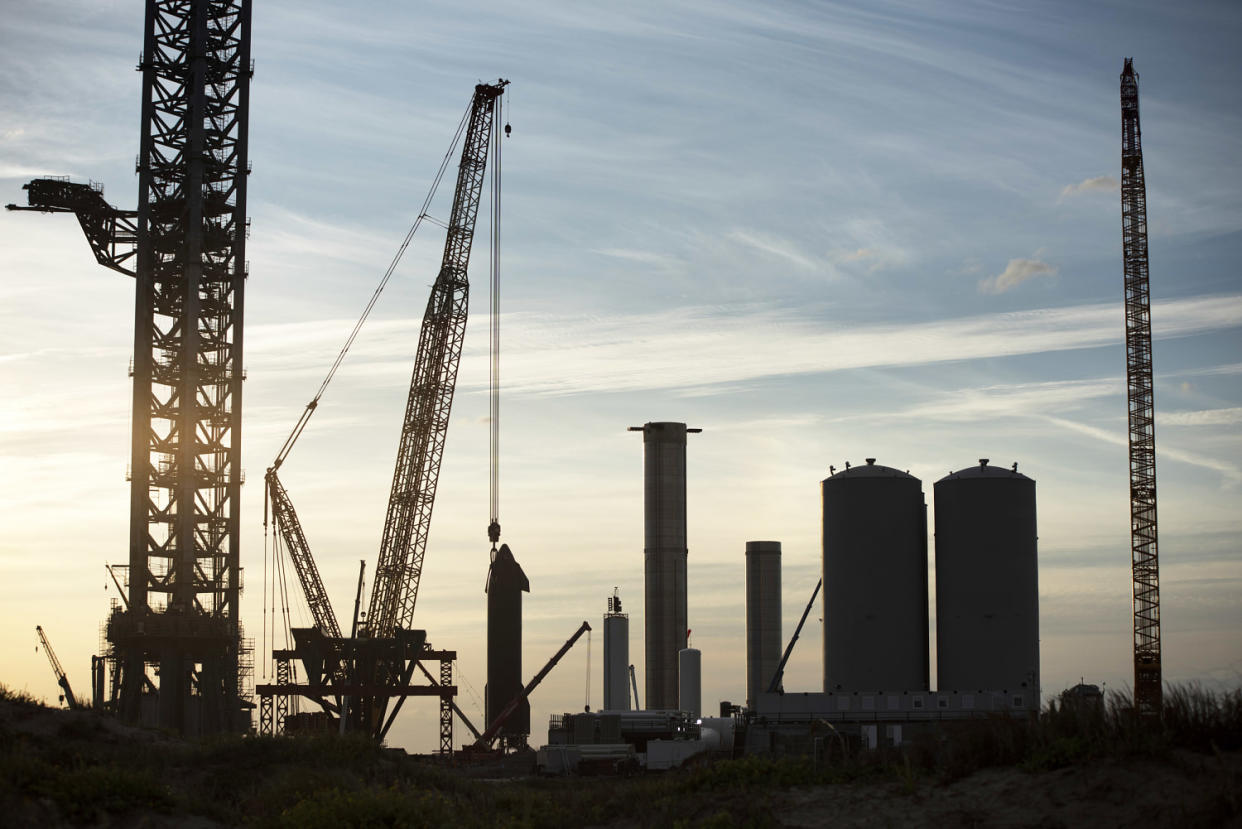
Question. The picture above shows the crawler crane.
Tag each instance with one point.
(376, 666)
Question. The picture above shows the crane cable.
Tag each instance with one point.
(493, 377)
(336, 364)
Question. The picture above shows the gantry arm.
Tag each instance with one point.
(112, 233)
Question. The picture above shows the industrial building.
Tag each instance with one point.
(876, 648)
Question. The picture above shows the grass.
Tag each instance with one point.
(89, 775)
(19, 698)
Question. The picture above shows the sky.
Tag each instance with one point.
(818, 231)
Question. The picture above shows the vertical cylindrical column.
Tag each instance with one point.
(690, 681)
(875, 580)
(616, 657)
(763, 616)
(664, 552)
(987, 583)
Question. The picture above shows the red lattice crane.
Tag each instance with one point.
(1144, 558)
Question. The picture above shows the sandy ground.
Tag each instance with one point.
(1186, 790)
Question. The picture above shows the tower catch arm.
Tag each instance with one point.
(112, 233)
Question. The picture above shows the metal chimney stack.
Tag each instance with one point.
(763, 616)
(664, 551)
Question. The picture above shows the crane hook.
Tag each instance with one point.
(508, 130)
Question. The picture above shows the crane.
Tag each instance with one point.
(290, 528)
(61, 679)
(419, 454)
(425, 425)
(489, 734)
(780, 669)
(1144, 559)
(634, 687)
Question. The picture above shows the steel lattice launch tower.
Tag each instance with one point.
(186, 247)
(184, 577)
(664, 553)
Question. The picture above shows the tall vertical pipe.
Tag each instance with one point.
(664, 551)
(763, 616)
(616, 657)
(690, 681)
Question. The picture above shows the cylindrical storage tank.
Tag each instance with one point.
(987, 582)
(664, 553)
(690, 681)
(763, 616)
(616, 657)
(875, 580)
(506, 582)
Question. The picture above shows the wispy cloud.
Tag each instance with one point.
(1006, 401)
(702, 347)
(1228, 368)
(1230, 472)
(1089, 185)
(642, 257)
(1015, 273)
(1202, 417)
(777, 247)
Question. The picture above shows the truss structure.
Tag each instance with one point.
(186, 477)
(425, 425)
(1144, 558)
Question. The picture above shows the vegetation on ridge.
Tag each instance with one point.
(68, 768)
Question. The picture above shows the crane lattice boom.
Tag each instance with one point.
(485, 739)
(61, 679)
(299, 552)
(425, 424)
(1144, 559)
